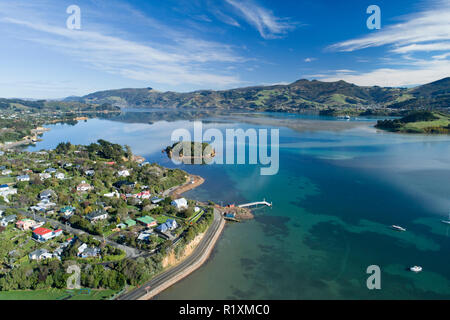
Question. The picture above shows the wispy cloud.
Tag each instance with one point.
(268, 25)
(182, 59)
(438, 46)
(423, 32)
(415, 73)
(427, 26)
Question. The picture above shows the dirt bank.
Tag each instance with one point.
(193, 182)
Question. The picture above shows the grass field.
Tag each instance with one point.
(56, 294)
(4, 180)
(420, 126)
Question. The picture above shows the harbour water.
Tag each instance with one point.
(340, 186)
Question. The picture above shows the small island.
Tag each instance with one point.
(198, 150)
(426, 122)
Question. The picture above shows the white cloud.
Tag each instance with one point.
(426, 31)
(182, 59)
(309, 59)
(268, 25)
(429, 25)
(438, 46)
(418, 72)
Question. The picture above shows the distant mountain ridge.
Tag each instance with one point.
(297, 96)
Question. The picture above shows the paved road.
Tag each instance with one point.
(130, 252)
(180, 268)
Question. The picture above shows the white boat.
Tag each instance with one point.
(446, 221)
(398, 228)
(416, 269)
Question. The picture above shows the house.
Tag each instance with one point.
(126, 183)
(156, 200)
(67, 165)
(110, 163)
(112, 194)
(84, 187)
(89, 173)
(196, 209)
(7, 220)
(147, 221)
(4, 187)
(6, 172)
(82, 248)
(169, 225)
(23, 178)
(180, 203)
(25, 224)
(44, 234)
(97, 216)
(5, 192)
(121, 226)
(40, 254)
(123, 173)
(162, 228)
(59, 176)
(85, 252)
(43, 206)
(50, 170)
(130, 223)
(46, 194)
(67, 211)
(145, 236)
(90, 253)
(143, 195)
(45, 176)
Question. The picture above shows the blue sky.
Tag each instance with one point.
(187, 45)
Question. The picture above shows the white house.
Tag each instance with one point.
(97, 216)
(59, 176)
(46, 194)
(84, 187)
(123, 173)
(7, 220)
(112, 194)
(23, 178)
(40, 254)
(45, 176)
(82, 248)
(180, 203)
(6, 172)
(89, 172)
(5, 192)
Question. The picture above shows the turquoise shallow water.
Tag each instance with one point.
(334, 198)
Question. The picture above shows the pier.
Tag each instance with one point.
(257, 203)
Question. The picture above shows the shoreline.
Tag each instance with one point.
(199, 254)
(193, 182)
(182, 269)
(183, 274)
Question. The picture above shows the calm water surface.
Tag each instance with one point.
(334, 198)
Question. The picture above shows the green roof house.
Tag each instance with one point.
(130, 223)
(147, 221)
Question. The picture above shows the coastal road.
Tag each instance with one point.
(130, 252)
(160, 282)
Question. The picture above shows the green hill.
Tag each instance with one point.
(295, 97)
(418, 122)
